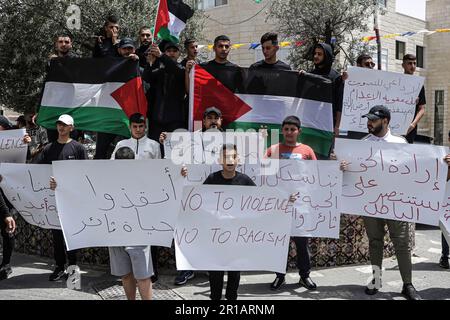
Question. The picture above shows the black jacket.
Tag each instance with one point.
(4, 209)
(105, 49)
(167, 91)
(326, 70)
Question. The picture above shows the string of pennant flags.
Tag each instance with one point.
(284, 44)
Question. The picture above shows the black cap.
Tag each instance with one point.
(127, 43)
(137, 118)
(171, 45)
(378, 112)
(4, 122)
(213, 110)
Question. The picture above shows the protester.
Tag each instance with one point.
(133, 264)
(107, 42)
(145, 40)
(270, 47)
(443, 261)
(228, 176)
(167, 91)
(63, 149)
(291, 149)
(409, 66)
(7, 222)
(323, 62)
(379, 118)
(191, 48)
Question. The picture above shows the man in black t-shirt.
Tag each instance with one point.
(62, 149)
(228, 176)
(270, 47)
(410, 65)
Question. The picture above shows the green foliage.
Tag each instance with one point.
(332, 21)
(28, 28)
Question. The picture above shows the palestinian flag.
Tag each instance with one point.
(100, 94)
(251, 98)
(171, 19)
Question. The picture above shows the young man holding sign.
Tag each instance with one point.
(291, 149)
(378, 125)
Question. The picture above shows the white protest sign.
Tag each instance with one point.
(393, 180)
(205, 147)
(118, 203)
(12, 148)
(27, 187)
(445, 216)
(233, 228)
(317, 213)
(366, 88)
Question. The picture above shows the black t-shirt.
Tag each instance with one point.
(279, 65)
(422, 100)
(56, 151)
(238, 180)
(229, 74)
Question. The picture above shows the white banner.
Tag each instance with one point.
(317, 213)
(393, 180)
(366, 88)
(12, 148)
(27, 187)
(233, 228)
(445, 216)
(205, 147)
(118, 203)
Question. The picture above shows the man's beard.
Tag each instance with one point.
(376, 130)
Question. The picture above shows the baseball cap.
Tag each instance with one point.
(171, 45)
(127, 43)
(66, 119)
(213, 110)
(378, 112)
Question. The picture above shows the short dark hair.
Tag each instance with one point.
(408, 57)
(362, 57)
(229, 146)
(292, 120)
(137, 118)
(270, 36)
(125, 153)
(188, 42)
(63, 35)
(111, 19)
(144, 28)
(221, 38)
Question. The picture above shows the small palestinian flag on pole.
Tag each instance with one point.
(100, 94)
(171, 19)
(255, 98)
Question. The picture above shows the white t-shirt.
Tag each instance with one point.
(387, 138)
(144, 148)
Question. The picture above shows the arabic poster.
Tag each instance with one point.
(205, 147)
(445, 216)
(27, 188)
(233, 228)
(12, 148)
(366, 88)
(118, 203)
(317, 213)
(393, 181)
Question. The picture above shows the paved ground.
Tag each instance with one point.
(30, 281)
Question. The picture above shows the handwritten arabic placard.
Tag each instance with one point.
(27, 187)
(118, 203)
(12, 148)
(233, 228)
(445, 215)
(317, 213)
(205, 147)
(366, 88)
(393, 181)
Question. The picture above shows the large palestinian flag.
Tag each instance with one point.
(100, 94)
(251, 98)
(171, 19)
